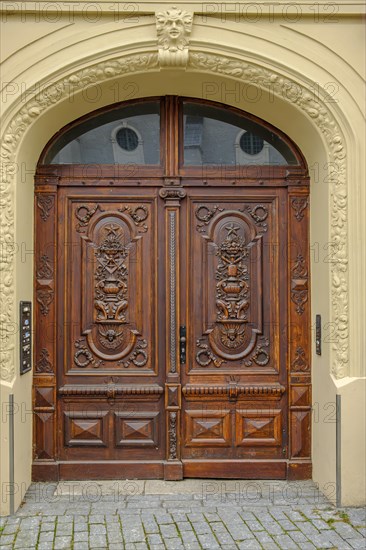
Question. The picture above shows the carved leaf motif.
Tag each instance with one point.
(172, 435)
(45, 268)
(43, 364)
(45, 203)
(299, 284)
(300, 363)
(44, 298)
(299, 204)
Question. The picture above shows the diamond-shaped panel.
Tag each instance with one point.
(139, 429)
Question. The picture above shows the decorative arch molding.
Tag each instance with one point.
(270, 80)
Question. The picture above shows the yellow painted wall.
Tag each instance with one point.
(317, 55)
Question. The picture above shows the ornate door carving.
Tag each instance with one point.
(172, 322)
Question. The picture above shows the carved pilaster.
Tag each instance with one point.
(299, 322)
(45, 335)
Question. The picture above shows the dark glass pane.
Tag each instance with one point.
(126, 135)
(215, 136)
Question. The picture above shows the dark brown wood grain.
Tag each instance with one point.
(122, 261)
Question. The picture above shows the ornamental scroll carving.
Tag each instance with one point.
(300, 363)
(173, 27)
(232, 288)
(299, 284)
(45, 203)
(44, 365)
(315, 107)
(232, 243)
(110, 336)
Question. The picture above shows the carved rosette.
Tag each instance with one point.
(173, 27)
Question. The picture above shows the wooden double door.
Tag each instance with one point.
(171, 328)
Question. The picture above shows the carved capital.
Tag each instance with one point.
(173, 28)
(172, 193)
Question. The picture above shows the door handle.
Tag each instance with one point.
(182, 344)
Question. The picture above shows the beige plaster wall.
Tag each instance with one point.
(310, 52)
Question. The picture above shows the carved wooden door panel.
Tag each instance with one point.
(171, 311)
(110, 372)
(234, 412)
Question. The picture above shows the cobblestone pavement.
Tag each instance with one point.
(192, 514)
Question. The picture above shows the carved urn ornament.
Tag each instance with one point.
(173, 28)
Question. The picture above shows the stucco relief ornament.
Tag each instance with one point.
(315, 107)
(173, 28)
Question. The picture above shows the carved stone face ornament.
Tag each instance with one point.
(173, 28)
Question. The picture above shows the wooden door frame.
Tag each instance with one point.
(172, 177)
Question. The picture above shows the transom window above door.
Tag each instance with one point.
(151, 132)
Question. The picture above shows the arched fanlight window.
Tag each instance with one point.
(217, 135)
(125, 135)
(132, 133)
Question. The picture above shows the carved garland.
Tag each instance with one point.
(298, 94)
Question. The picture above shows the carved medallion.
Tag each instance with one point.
(299, 284)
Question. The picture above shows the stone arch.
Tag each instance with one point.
(271, 81)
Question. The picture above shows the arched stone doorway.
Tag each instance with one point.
(63, 90)
(172, 297)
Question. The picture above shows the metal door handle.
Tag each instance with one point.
(182, 344)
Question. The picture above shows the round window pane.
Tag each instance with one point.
(251, 144)
(127, 139)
